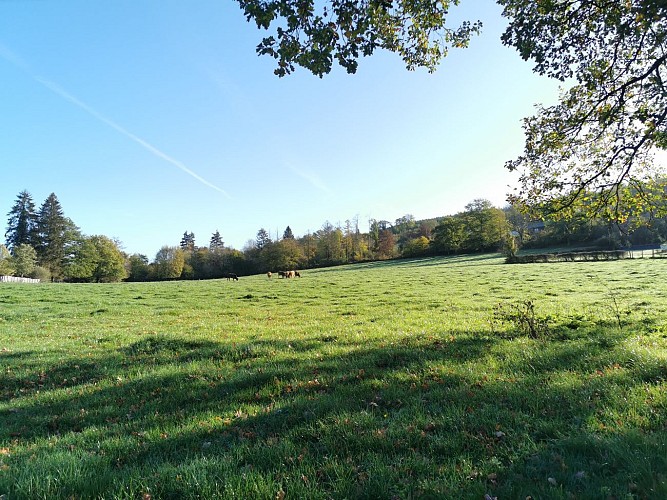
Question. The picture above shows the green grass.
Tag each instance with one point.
(383, 380)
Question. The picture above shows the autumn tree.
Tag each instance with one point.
(348, 241)
(285, 254)
(329, 245)
(308, 244)
(386, 244)
(417, 247)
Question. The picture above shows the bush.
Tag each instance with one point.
(522, 316)
(41, 273)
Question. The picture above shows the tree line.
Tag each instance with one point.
(43, 243)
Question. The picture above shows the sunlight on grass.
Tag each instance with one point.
(378, 380)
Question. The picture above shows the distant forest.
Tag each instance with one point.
(43, 243)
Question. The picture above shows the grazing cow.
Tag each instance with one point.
(290, 274)
(282, 274)
(268, 275)
(230, 276)
(296, 274)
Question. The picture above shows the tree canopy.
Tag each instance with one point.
(342, 30)
(593, 149)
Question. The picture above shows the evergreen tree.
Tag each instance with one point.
(262, 239)
(216, 242)
(288, 234)
(56, 234)
(188, 242)
(22, 223)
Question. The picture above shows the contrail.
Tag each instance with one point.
(314, 179)
(8, 55)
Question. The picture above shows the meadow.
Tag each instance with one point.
(456, 377)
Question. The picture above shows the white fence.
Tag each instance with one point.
(653, 253)
(16, 279)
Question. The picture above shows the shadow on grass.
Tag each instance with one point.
(185, 418)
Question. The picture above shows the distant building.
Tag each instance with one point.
(535, 227)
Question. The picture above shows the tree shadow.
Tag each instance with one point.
(413, 419)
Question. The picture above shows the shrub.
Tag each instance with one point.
(41, 273)
(522, 316)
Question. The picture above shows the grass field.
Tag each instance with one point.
(405, 379)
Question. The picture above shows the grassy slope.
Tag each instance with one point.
(378, 381)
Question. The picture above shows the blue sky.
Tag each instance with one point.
(151, 118)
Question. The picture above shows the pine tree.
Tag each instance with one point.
(263, 238)
(288, 234)
(216, 242)
(188, 242)
(56, 233)
(22, 223)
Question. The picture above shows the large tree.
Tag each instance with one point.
(22, 222)
(56, 234)
(169, 262)
(485, 226)
(96, 259)
(592, 149)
